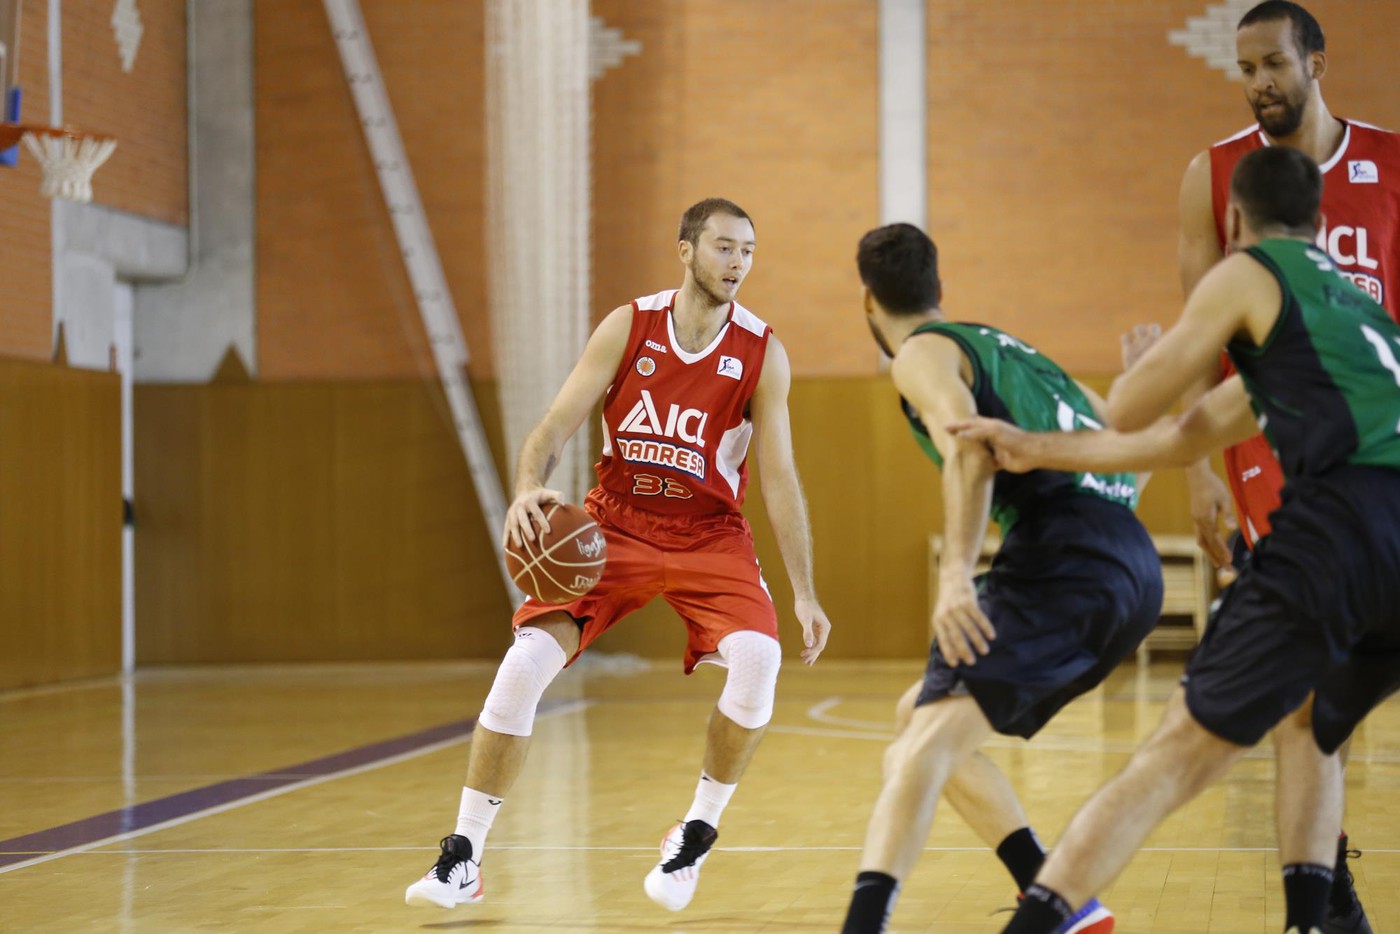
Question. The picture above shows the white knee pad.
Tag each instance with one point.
(753, 660)
(530, 664)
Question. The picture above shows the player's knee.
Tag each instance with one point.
(753, 660)
(904, 707)
(531, 663)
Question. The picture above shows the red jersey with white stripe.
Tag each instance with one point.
(1361, 232)
(676, 425)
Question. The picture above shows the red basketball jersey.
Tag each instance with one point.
(676, 424)
(1361, 232)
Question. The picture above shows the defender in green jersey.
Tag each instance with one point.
(1073, 590)
(1308, 638)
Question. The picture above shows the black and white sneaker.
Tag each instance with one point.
(1344, 912)
(671, 882)
(455, 878)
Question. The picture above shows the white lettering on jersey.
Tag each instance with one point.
(659, 348)
(1363, 172)
(662, 455)
(1006, 340)
(1117, 489)
(1070, 420)
(643, 420)
(1349, 246)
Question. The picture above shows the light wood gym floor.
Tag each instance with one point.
(279, 799)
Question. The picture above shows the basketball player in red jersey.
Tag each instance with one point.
(688, 378)
(1282, 57)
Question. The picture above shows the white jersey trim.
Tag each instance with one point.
(729, 456)
(749, 321)
(684, 355)
(661, 301)
(1252, 128)
(1341, 151)
(666, 301)
(1325, 167)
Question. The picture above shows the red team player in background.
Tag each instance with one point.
(688, 378)
(1282, 57)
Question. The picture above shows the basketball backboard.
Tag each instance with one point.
(9, 70)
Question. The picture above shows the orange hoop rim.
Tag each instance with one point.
(12, 133)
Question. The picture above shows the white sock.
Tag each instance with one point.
(474, 818)
(711, 796)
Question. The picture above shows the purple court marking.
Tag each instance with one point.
(140, 816)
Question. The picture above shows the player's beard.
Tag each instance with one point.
(709, 286)
(1287, 121)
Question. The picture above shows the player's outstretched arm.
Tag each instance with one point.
(782, 494)
(1238, 296)
(539, 455)
(1223, 417)
(1198, 250)
(928, 372)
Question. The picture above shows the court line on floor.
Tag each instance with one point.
(173, 810)
(865, 729)
(222, 851)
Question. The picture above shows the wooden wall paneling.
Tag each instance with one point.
(60, 524)
(329, 521)
(335, 521)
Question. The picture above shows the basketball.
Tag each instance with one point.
(562, 564)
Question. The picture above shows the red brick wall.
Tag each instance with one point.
(333, 298)
(672, 126)
(26, 248)
(144, 109)
(146, 175)
(774, 106)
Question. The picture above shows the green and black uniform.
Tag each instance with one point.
(1077, 583)
(1318, 607)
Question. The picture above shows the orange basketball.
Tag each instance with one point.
(564, 563)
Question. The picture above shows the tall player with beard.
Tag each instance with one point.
(1282, 58)
(688, 377)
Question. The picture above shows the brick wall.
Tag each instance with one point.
(144, 109)
(1056, 147)
(145, 176)
(333, 298)
(772, 105)
(26, 249)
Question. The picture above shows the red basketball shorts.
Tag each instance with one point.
(704, 567)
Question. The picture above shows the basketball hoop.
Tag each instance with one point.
(67, 155)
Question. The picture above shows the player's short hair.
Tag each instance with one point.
(1307, 34)
(693, 220)
(899, 265)
(1278, 186)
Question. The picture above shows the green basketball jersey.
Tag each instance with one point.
(1013, 381)
(1326, 382)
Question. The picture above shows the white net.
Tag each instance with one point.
(68, 162)
(537, 209)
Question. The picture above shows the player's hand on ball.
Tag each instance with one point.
(1137, 342)
(526, 514)
(960, 628)
(815, 629)
(1011, 447)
